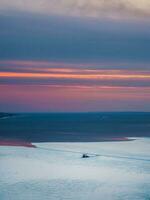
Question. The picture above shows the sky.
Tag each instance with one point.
(74, 55)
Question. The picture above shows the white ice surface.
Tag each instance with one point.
(56, 171)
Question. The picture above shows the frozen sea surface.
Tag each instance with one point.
(56, 171)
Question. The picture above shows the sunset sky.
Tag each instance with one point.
(74, 55)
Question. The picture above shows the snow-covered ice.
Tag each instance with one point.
(56, 171)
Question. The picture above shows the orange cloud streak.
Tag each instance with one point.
(91, 89)
(74, 76)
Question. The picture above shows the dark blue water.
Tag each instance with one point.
(74, 127)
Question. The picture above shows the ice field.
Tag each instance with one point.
(56, 171)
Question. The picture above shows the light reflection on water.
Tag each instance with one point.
(28, 173)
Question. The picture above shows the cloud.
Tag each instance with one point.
(25, 36)
(68, 75)
(115, 9)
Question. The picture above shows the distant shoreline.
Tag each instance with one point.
(18, 143)
(4, 115)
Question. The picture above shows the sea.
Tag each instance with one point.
(74, 127)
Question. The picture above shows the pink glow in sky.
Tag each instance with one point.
(48, 88)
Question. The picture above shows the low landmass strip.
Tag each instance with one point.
(5, 115)
(16, 143)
